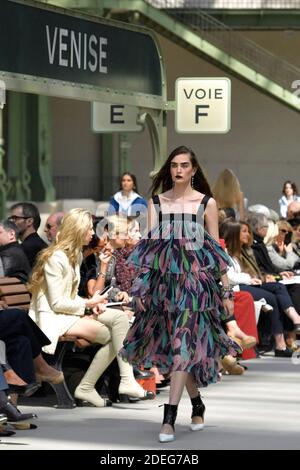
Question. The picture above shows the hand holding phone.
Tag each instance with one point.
(288, 238)
(106, 290)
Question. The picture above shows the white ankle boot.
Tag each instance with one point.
(131, 388)
(91, 396)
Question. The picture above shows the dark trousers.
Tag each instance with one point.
(3, 384)
(259, 292)
(24, 341)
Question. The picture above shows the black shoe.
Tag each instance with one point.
(126, 399)
(283, 352)
(163, 383)
(3, 419)
(24, 390)
(5, 433)
(12, 412)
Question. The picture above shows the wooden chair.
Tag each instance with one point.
(14, 294)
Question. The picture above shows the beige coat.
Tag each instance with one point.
(58, 307)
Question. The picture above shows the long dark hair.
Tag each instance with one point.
(133, 177)
(294, 187)
(230, 230)
(163, 178)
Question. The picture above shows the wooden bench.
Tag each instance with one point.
(14, 294)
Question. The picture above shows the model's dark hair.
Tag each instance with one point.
(294, 187)
(163, 180)
(133, 177)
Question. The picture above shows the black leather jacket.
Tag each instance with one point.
(14, 261)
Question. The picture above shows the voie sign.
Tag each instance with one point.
(203, 105)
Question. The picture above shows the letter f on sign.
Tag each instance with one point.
(198, 108)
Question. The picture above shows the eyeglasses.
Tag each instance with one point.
(16, 217)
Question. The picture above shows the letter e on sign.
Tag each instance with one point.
(203, 105)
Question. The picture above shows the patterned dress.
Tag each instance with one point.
(179, 268)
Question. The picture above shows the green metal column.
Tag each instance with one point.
(107, 149)
(124, 153)
(40, 153)
(17, 148)
(4, 183)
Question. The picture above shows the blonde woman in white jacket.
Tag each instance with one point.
(58, 310)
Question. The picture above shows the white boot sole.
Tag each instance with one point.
(196, 427)
(166, 437)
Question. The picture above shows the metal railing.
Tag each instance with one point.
(229, 4)
(233, 43)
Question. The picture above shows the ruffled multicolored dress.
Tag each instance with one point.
(179, 268)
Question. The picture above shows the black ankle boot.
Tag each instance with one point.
(11, 411)
(170, 414)
(198, 410)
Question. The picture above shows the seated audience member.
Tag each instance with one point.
(52, 225)
(59, 310)
(259, 225)
(295, 223)
(14, 262)
(289, 195)
(24, 341)
(293, 211)
(244, 312)
(279, 246)
(27, 219)
(246, 273)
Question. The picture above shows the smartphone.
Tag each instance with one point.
(115, 304)
(106, 290)
(288, 238)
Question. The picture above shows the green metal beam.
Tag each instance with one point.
(17, 148)
(256, 18)
(5, 184)
(179, 33)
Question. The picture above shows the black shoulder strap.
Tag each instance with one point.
(156, 202)
(204, 202)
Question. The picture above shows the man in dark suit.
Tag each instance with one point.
(27, 219)
(13, 261)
